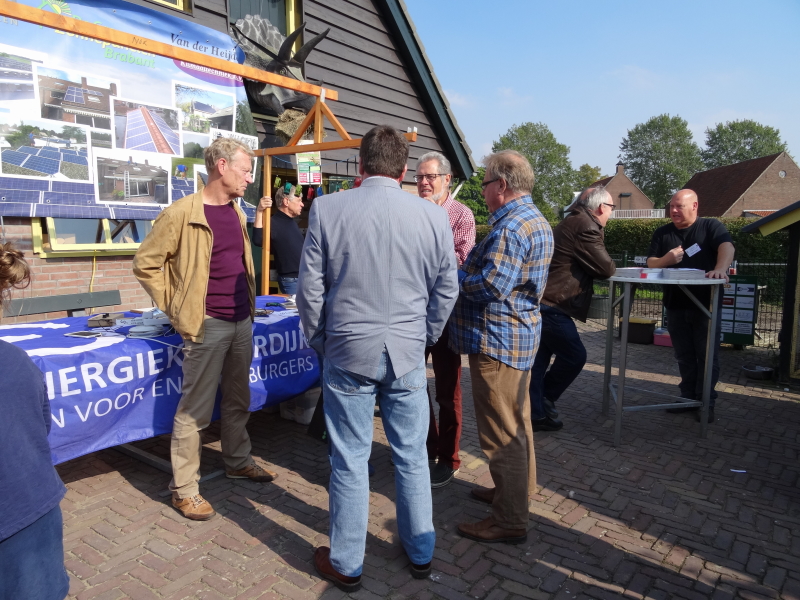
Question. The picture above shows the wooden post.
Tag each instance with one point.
(266, 224)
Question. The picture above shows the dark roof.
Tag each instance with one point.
(717, 189)
(454, 144)
(203, 107)
(755, 226)
(602, 182)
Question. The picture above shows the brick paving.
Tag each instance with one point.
(665, 515)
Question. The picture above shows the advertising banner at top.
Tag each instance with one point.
(92, 129)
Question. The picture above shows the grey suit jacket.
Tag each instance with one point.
(378, 268)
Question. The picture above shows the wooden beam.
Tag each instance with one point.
(334, 121)
(337, 145)
(128, 40)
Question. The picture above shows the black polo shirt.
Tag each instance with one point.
(285, 243)
(708, 234)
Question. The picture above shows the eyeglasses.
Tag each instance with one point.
(486, 183)
(429, 178)
(613, 206)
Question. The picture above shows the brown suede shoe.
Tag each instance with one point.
(194, 507)
(483, 494)
(322, 563)
(254, 473)
(488, 531)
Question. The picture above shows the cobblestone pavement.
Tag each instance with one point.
(665, 515)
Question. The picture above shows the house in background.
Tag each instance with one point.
(630, 201)
(753, 188)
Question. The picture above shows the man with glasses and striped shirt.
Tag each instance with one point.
(433, 184)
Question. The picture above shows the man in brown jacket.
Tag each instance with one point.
(196, 266)
(579, 256)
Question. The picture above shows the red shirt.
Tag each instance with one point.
(462, 222)
(228, 297)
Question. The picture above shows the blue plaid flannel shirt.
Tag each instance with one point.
(497, 312)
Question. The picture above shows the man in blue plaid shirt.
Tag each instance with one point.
(496, 321)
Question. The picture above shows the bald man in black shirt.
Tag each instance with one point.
(691, 243)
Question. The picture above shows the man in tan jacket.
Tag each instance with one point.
(196, 266)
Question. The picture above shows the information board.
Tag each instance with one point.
(739, 310)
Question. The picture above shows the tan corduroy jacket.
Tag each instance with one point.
(174, 260)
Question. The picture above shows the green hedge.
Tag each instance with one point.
(633, 236)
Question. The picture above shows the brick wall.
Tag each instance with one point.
(770, 190)
(621, 184)
(55, 276)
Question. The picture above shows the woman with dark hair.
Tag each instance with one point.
(31, 528)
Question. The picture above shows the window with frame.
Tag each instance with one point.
(184, 5)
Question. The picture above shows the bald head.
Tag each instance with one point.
(683, 208)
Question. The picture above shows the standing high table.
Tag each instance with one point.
(618, 391)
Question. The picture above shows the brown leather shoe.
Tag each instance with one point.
(488, 531)
(194, 507)
(254, 473)
(322, 563)
(483, 494)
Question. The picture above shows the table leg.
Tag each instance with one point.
(623, 359)
(612, 295)
(711, 345)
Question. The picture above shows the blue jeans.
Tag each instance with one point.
(688, 330)
(288, 285)
(559, 337)
(32, 561)
(349, 406)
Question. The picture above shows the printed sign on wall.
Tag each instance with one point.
(739, 310)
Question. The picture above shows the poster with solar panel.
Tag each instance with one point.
(88, 125)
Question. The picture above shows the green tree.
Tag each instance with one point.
(736, 141)
(586, 175)
(192, 150)
(70, 132)
(470, 196)
(660, 156)
(550, 161)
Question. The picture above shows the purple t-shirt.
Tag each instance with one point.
(228, 298)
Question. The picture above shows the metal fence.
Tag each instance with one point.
(771, 282)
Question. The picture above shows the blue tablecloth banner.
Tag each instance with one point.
(112, 390)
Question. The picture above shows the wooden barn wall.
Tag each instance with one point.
(359, 60)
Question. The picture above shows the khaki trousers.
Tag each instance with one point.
(503, 416)
(227, 351)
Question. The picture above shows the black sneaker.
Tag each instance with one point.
(546, 424)
(441, 475)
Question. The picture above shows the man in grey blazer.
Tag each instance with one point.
(377, 283)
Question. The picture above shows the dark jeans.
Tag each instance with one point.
(288, 285)
(688, 330)
(32, 561)
(443, 440)
(559, 337)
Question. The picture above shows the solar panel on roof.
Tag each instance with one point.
(19, 195)
(42, 165)
(93, 93)
(204, 107)
(172, 138)
(17, 183)
(65, 211)
(10, 63)
(14, 158)
(75, 160)
(54, 154)
(64, 198)
(73, 188)
(28, 150)
(74, 95)
(65, 151)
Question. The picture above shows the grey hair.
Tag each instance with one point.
(592, 197)
(513, 168)
(444, 164)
